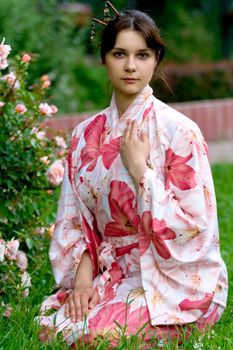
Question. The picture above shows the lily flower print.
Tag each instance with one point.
(178, 172)
(124, 213)
(95, 135)
(202, 304)
(155, 231)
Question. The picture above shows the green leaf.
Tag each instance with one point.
(34, 143)
(29, 243)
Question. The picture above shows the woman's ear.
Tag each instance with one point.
(155, 68)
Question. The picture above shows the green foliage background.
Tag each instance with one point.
(63, 50)
(192, 30)
(59, 49)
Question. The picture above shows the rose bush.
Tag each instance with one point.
(31, 170)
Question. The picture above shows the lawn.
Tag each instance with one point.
(20, 332)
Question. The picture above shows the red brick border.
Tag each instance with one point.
(214, 117)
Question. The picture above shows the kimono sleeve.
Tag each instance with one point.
(75, 231)
(178, 230)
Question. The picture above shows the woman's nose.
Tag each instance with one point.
(130, 65)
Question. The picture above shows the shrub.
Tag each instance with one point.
(60, 48)
(30, 170)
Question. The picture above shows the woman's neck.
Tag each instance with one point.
(123, 102)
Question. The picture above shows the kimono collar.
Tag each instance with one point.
(136, 108)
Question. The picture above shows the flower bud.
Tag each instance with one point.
(21, 260)
(20, 108)
(46, 84)
(44, 77)
(26, 58)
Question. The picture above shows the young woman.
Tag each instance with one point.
(136, 237)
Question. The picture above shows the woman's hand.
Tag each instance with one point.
(81, 301)
(84, 297)
(134, 151)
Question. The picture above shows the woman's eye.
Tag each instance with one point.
(143, 55)
(118, 54)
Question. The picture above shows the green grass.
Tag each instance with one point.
(21, 332)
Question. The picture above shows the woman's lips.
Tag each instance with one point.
(130, 80)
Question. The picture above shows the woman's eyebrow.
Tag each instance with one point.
(140, 50)
(119, 48)
(146, 49)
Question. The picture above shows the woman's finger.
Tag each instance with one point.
(77, 306)
(72, 311)
(84, 299)
(94, 300)
(133, 133)
(144, 137)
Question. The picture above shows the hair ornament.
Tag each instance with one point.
(106, 18)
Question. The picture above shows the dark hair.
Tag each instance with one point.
(136, 20)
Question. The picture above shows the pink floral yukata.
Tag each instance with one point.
(155, 253)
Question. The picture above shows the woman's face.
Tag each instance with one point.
(130, 64)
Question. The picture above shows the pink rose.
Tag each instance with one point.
(44, 77)
(40, 231)
(45, 109)
(40, 135)
(34, 130)
(12, 249)
(26, 58)
(11, 80)
(60, 142)
(55, 173)
(46, 84)
(20, 108)
(54, 109)
(21, 260)
(61, 153)
(1, 104)
(4, 50)
(45, 160)
(3, 63)
(46, 81)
